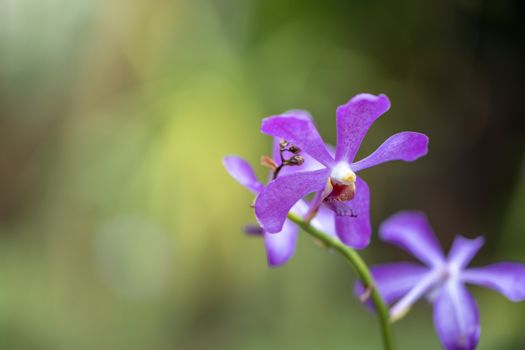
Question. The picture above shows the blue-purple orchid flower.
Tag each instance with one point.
(441, 280)
(334, 183)
(280, 246)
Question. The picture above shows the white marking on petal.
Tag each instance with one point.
(423, 287)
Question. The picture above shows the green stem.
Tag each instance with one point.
(362, 271)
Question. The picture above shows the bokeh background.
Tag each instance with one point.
(119, 228)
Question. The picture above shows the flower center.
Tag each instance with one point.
(428, 285)
(342, 183)
(443, 275)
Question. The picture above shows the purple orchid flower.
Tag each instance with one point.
(335, 183)
(280, 246)
(442, 280)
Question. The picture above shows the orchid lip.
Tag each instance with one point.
(342, 174)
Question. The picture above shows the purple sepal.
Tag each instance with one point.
(274, 203)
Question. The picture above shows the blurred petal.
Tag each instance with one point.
(424, 287)
(325, 221)
(463, 250)
(407, 146)
(506, 277)
(411, 231)
(353, 121)
(301, 133)
(242, 171)
(456, 318)
(280, 246)
(275, 201)
(253, 230)
(353, 226)
(394, 280)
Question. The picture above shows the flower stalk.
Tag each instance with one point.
(362, 271)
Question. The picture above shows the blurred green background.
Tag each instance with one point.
(120, 229)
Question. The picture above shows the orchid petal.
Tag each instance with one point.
(309, 163)
(406, 146)
(353, 121)
(280, 247)
(278, 197)
(301, 133)
(253, 230)
(298, 113)
(353, 224)
(325, 221)
(508, 278)
(394, 280)
(411, 231)
(423, 287)
(456, 317)
(463, 250)
(242, 171)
